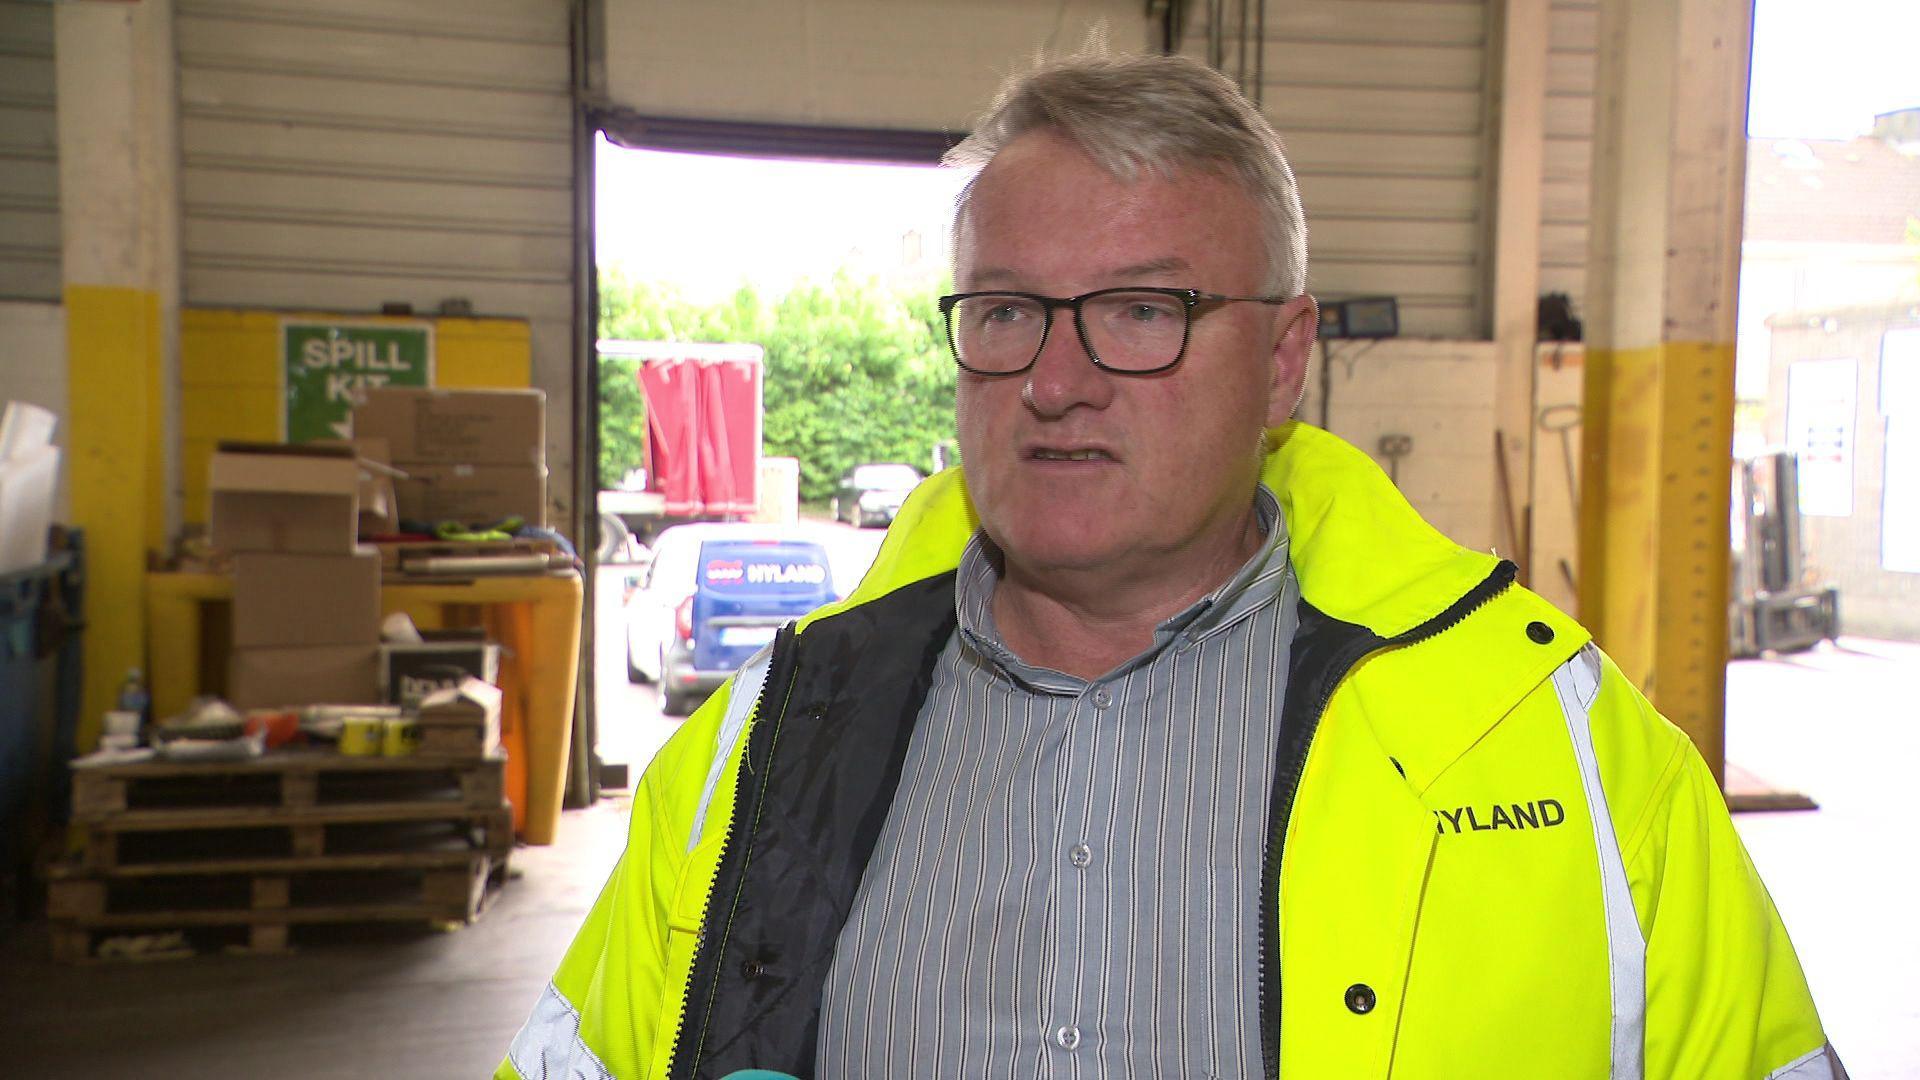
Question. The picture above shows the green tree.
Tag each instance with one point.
(854, 372)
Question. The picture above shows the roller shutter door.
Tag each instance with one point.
(913, 65)
(1573, 37)
(341, 154)
(29, 164)
(1383, 107)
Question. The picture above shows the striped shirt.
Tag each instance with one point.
(1067, 884)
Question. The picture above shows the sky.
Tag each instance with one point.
(710, 222)
(1821, 70)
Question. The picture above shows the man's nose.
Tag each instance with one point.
(1063, 376)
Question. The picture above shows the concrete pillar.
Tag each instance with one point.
(1657, 440)
(1521, 99)
(120, 235)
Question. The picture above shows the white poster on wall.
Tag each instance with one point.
(1900, 372)
(1900, 404)
(1900, 501)
(1821, 396)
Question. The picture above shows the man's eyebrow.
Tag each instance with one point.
(1164, 265)
(992, 274)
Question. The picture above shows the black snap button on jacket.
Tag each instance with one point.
(1360, 998)
(1539, 633)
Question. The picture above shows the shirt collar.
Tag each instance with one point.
(1260, 580)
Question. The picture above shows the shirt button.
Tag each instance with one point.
(1080, 855)
(1067, 1037)
(1102, 697)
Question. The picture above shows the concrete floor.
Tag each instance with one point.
(414, 1005)
(1838, 724)
(1843, 726)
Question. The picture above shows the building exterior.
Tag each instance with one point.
(1829, 224)
(1843, 391)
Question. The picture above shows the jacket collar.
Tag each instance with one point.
(1361, 553)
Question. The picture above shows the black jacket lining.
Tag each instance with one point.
(805, 827)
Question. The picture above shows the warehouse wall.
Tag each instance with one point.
(29, 160)
(340, 155)
(1438, 392)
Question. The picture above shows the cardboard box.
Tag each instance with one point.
(379, 507)
(304, 675)
(295, 499)
(461, 721)
(456, 427)
(288, 600)
(472, 494)
(409, 672)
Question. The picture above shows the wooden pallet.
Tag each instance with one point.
(257, 847)
(299, 778)
(258, 908)
(284, 810)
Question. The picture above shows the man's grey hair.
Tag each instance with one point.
(1156, 115)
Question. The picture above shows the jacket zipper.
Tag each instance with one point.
(781, 662)
(1476, 598)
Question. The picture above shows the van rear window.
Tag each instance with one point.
(761, 567)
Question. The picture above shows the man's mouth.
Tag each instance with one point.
(1048, 453)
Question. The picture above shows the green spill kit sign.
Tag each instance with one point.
(329, 363)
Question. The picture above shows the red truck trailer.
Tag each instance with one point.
(703, 425)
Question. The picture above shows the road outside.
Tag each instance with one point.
(632, 728)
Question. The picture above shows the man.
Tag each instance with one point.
(1165, 739)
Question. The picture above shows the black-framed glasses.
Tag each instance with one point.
(1129, 330)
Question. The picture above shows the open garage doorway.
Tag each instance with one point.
(1825, 604)
(777, 316)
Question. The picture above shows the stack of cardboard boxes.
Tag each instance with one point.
(469, 456)
(306, 597)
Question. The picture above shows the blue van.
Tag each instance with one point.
(744, 590)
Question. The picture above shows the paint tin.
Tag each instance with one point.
(360, 736)
(400, 736)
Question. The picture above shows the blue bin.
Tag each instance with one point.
(39, 705)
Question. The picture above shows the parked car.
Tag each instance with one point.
(872, 494)
(714, 593)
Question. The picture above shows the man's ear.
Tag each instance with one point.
(1299, 322)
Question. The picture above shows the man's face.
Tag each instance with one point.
(1072, 467)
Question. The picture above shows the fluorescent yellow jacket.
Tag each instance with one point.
(1487, 855)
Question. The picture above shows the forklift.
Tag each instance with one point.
(1772, 606)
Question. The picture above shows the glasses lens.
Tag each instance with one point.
(1135, 331)
(996, 332)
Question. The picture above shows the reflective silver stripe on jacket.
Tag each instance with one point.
(548, 1046)
(1819, 1064)
(1577, 683)
(746, 690)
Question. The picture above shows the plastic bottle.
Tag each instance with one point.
(133, 694)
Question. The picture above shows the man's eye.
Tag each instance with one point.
(1145, 311)
(1002, 313)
